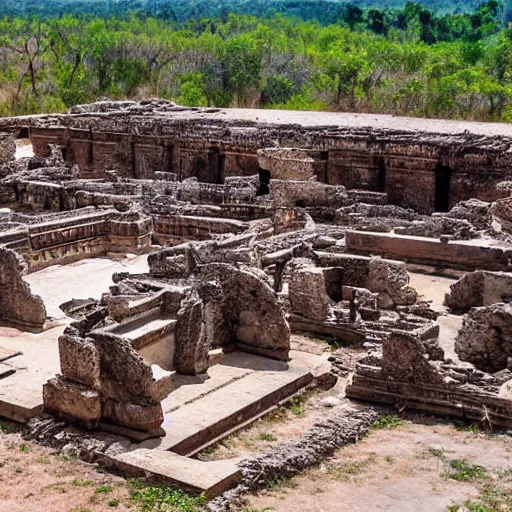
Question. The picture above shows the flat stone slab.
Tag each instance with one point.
(21, 392)
(241, 388)
(211, 478)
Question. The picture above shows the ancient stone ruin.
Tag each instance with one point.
(254, 227)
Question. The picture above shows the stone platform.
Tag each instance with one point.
(237, 391)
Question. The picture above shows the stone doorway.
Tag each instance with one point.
(442, 188)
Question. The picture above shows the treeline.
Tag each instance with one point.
(409, 62)
(181, 11)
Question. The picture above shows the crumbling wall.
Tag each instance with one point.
(293, 163)
(479, 288)
(485, 338)
(229, 306)
(7, 148)
(307, 193)
(18, 305)
(104, 380)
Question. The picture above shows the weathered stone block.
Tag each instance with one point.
(308, 295)
(134, 416)
(72, 401)
(79, 360)
(485, 338)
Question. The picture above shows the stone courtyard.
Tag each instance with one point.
(171, 277)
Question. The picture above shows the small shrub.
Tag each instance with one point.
(265, 436)
(152, 498)
(83, 483)
(462, 471)
(387, 422)
(103, 489)
(296, 405)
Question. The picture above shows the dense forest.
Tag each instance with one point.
(325, 11)
(407, 61)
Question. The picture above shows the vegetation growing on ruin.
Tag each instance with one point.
(150, 498)
(407, 61)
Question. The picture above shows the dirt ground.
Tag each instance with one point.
(411, 468)
(406, 466)
(33, 478)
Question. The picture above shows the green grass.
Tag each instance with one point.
(113, 503)
(83, 483)
(296, 405)
(8, 428)
(387, 422)
(156, 498)
(332, 341)
(462, 471)
(104, 489)
(474, 429)
(265, 436)
(64, 457)
(282, 481)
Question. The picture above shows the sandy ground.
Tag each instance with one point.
(433, 288)
(406, 469)
(84, 279)
(24, 149)
(33, 478)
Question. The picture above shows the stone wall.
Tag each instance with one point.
(415, 165)
(70, 236)
(480, 288)
(470, 255)
(7, 148)
(18, 306)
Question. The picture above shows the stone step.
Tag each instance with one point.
(205, 420)
(153, 330)
(191, 475)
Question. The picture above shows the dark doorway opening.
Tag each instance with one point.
(442, 188)
(323, 173)
(381, 174)
(221, 162)
(23, 134)
(215, 167)
(264, 183)
(169, 164)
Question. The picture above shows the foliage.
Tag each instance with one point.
(405, 61)
(462, 471)
(156, 498)
(387, 422)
